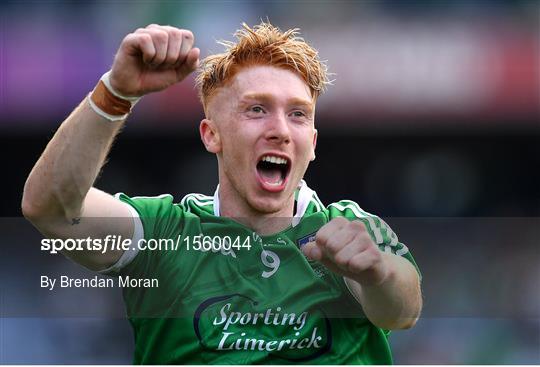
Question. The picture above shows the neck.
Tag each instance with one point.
(231, 205)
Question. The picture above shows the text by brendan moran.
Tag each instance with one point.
(64, 281)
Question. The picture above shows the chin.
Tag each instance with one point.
(268, 205)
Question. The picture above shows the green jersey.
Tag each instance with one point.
(229, 296)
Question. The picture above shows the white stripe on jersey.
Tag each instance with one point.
(304, 196)
(316, 205)
(151, 197)
(402, 251)
(361, 215)
(216, 201)
(138, 234)
(194, 198)
(316, 198)
(391, 235)
(201, 197)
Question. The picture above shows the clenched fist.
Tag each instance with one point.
(346, 248)
(152, 59)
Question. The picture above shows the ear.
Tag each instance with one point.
(316, 133)
(210, 136)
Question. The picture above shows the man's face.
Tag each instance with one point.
(265, 136)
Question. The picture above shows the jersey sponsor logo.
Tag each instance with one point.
(238, 323)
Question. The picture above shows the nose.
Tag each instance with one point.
(278, 130)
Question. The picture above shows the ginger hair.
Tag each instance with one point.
(263, 44)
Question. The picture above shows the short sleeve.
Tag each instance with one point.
(154, 217)
(379, 230)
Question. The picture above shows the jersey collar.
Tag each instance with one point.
(302, 201)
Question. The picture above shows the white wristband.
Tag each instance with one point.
(106, 79)
(102, 113)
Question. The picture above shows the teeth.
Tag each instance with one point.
(273, 159)
(275, 183)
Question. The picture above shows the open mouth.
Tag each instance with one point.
(273, 172)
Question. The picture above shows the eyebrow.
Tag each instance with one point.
(263, 97)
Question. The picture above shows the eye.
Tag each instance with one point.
(257, 109)
(298, 114)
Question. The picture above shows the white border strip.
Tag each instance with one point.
(138, 234)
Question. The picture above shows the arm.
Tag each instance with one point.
(58, 196)
(396, 302)
(386, 285)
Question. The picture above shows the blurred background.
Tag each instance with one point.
(433, 123)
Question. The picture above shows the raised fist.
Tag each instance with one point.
(152, 59)
(345, 247)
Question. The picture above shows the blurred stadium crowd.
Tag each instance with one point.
(433, 124)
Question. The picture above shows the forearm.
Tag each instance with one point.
(397, 301)
(61, 178)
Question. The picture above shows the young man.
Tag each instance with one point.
(264, 273)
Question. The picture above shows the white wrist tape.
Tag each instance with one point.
(126, 106)
(102, 113)
(106, 79)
